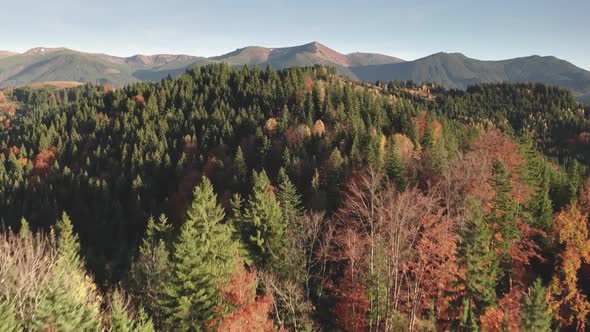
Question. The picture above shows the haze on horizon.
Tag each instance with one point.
(408, 30)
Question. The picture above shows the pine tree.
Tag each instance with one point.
(412, 133)
(68, 243)
(427, 140)
(536, 313)
(575, 177)
(202, 255)
(25, 230)
(542, 205)
(240, 168)
(289, 200)
(482, 262)
(503, 206)
(261, 221)
(70, 301)
(395, 169)
(121, 320)
(152, 268)
(437, 154)
(536, 174)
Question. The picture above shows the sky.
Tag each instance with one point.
(489, 30)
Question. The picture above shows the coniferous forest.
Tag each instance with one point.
(248, 199)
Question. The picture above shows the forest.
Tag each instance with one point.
(249, 199)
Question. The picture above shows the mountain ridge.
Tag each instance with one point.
(453, 70)
(456, 70)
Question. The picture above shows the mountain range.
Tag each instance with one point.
(453, 70)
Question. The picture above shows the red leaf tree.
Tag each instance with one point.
(244, 310)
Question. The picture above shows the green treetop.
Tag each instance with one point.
(202, 255)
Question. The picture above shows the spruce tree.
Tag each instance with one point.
(239, 167)
(261, 221)
(482, 262)
(537, 175)
(437, 156)
(395, 168)
(412, 133)
(427, 140)
(152, 268)
(503, 206)
(70, 301)
(121, 320)
(536, 313)
(202, 256)
(24, 231)
(289, 200)
(68, 243)
(542, 205)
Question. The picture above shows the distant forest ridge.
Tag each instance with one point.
(452, 70)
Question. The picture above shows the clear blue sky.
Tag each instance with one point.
(407, 29)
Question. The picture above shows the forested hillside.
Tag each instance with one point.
(240, 199)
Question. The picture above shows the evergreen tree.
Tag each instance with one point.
(469, 320)
(412, 133)
(576, 174)
(482, 262)
(240, 168)
(437, 155)
(68, 243)
(536, 313)
(70, 301)
(121, 320)
(542, 206)
(289, 200)
(152, 268)
(261, 221)
(503, 209)
(537, 174)
(395, 168)
(427, 140)
(25, 230)
(202, 255)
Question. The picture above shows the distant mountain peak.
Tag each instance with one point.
(447, 54)
(316, 44)
(158, 59)
(44, 50)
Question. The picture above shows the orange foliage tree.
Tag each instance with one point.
(399, 250)
(567, 300)
(244, 310)
(506, 316)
